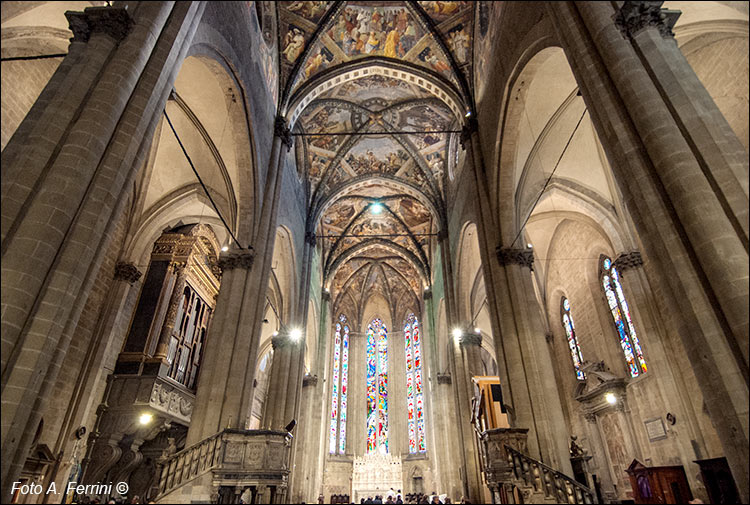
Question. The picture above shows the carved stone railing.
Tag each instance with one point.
(547, 482)
(235, 459)
(190, 463)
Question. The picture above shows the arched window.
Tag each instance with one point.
(377, 387)
(340, 379)
(414, 396)
(570, 331)
(618, 306)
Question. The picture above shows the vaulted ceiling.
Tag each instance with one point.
(375, 92)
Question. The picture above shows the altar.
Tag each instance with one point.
(375, 474)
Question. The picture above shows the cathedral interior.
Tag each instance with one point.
(309, 251)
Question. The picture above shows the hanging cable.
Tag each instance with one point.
(520, 229)
(229, 230)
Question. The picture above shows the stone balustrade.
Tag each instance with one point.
(229, 462)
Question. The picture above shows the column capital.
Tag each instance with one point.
(470, 338)
(125, 271)
(628, 260)
(470, 127)
(427, 294)
(309, 380)
(511, 256)
(636, 15)
(281, 130)
(310, 238)
(590, 417)
(112, 21)
(444, 378)
(326, 295)
(237, 258)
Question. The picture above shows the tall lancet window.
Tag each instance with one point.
(337, 441)
(377, 387)
(618, 306)
(570, 331)
(414, 396)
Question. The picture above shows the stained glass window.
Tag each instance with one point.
(618, 306)
(414, 396)
(377, 387)
(570, 331)
(340, 377)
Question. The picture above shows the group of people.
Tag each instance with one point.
(396, 497)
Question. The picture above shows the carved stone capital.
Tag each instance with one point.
(427, 295)
(470, 339)
(127, 272)
(112, 21)
(626, 261)
(279, 341)
(237, 258)
(309, 380)
(281, 130)
(444, 378)
(638, 15)
(511, 256)
(469, 128)
(310, 238)
(326, 295)
(590, 417)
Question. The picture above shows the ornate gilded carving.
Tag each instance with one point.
(626, 261)
(237, 258)
(511, 256)
(635, 16)
(112, 21)
(127, 272)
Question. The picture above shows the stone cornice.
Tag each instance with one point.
(635, 16)
(112, 21)
(511, 256)
(127, 272)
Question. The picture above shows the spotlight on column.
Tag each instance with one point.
(275, 334)
(376, 208)
(457, 333)
(477, 331)
(295, 334)
(468, 113)
(611, 398)
(225, 248)
(529, 246)
(145, 418)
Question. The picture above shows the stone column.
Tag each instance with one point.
(604, 472)
(225, 389)
(276, 407)
(546, 409)
(75, 188)
(690, 232)
(110, 333)
(315, 457)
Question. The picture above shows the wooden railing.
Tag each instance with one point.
(190, 463)
(543, 479)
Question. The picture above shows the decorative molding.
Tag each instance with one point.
(125, 271)
(281, 130)
(626, 261)
(237, 258)
(511, 256)
(112, 21)
(444, 378)
(309, 380)
(172, 400)
(638, 15)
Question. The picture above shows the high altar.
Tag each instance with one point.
(375, 474)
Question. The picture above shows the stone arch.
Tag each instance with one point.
(468, 269)
(283, 269)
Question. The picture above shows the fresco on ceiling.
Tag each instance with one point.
(376, 154)
(376, 86)
(327, 119)
(297, 21)
(440, 11)
(413, 213)
(429, 115)
(488, 22)
(267, 49)
(386, 30)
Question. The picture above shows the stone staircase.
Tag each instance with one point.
(221, 467)
(514, 477)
